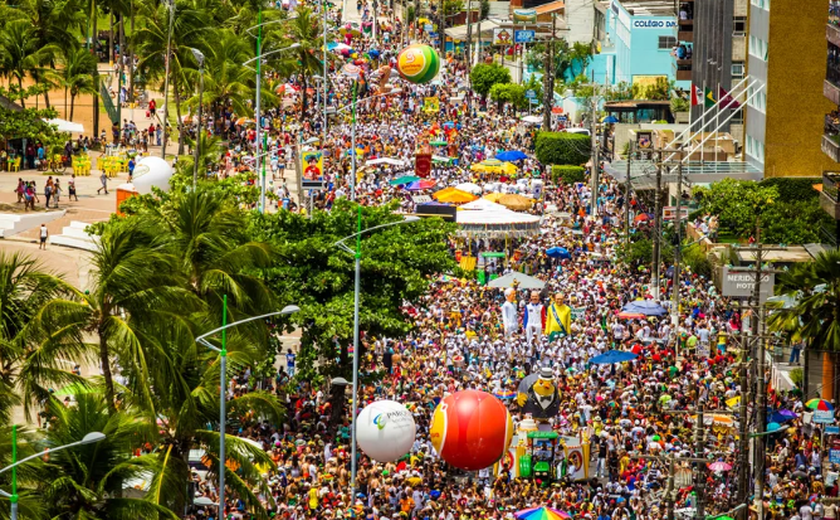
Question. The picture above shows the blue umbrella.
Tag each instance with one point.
(613, 356)
(511, 156)
(610, 119)
(781, 416)
(373, 53)
(646, 307)
(558, 252)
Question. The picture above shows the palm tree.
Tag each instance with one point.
(29, 476)
(77, 75)
(226, 80)
(815, 317)
(306, 31)
(135, 286)
(87, 482)
(31, 358)
(21, 52)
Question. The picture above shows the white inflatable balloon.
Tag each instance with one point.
(151, 171)
(385, 430)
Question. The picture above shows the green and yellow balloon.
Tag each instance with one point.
(418, 63)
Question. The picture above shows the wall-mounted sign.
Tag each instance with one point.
(523, 36)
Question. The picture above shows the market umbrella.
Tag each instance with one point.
(405, 179)
(423, 184)
(494, 197)
(646, 307)
(720, 466)
(558, 252)
(515, 202)
(511, 155)
(610, 120)
(542, 513)
(613, 356)
(453, 196)
(819, 404)
(242, 121)
(781, 416)
(524, 281)
(469, 187)
(631, 315)
(373, 53)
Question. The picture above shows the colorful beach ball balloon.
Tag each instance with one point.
(471, 429)
(418, 63)
(385, 430)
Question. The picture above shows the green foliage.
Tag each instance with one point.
(679, 104)
(485, 8)
(569, 60)
(696, 259)
(640, 252)
(314, 273)
(452, 7)
(659, 91)
(28, 123)
(792, 189)
(484, 75)
(794, 222)
(567, 174)
(797, 376)
(738, 204)
(563, 148)
(504, 93)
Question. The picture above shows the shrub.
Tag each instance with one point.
(794, 189)
(511, 93)
(563, 148)
(567, 174)
(696, 259)
(797, 375)
(485, 75)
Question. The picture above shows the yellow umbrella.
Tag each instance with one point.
(515, 202)
(494, 197)
(732, 403)
(453, 196)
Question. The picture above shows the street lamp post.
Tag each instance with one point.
(199, 56)
(358, 256)
(166, 80)
(90, 438)
(257, 115)
(289, 309)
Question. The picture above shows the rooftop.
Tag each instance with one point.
(649, 7)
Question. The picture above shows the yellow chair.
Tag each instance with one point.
(14, 164)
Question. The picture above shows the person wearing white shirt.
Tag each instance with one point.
(509, 315)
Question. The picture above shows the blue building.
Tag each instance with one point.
(639, 46)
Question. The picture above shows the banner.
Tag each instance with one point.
(423, 164)
(431, 104)
(312, 164)
(525, 15)
(502, 36)
(523, 36)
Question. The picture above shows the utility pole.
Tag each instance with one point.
(675, 305)
(468, 50)
(744, 418)
(760, 383)
(700, 467)
(171, 5)
(593, 204)
(669, 491)
(548, 76)
(627, 195)
(657, 228)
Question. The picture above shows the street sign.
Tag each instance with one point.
(824, 416)
(307, 184)
(834, 456)
(524, 36)
(832, 430)
(530, 94)
(741, 284)
(534, 101)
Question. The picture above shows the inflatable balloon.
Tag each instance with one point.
(471, 430)
(385, 430)
(418, 63)
(151, 172)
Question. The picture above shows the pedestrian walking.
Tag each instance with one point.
(71, 188)
(56, 192)
(104, 180)
(44, 233)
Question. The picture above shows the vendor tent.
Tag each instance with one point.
(518, 280)
(482, 218)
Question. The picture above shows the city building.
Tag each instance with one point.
(829, 199)
(716, 35)
(785, 120)
(641, 36)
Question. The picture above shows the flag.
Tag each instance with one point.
(709, 98)
(696, 95)
(726, 99)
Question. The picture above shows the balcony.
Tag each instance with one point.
(684, 69)
(831, 147)
(828, 197)
(832, 33)
(831, 86)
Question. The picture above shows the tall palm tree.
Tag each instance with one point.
(29, 476)
(87, 481)
(306, 30)
(78, 66)
(31, 358)
(815, 317)
(134, 286)
(226, 80)
(21, 52)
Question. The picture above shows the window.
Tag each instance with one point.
(758, 48)
(667, 42)
(737, 117)
(737, 70)
(739, 25)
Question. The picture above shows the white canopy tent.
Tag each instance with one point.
(485, 219)
(66, 126)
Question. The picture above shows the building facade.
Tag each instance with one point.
(639, 43)
(785, 115)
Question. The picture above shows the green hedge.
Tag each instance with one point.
(563, 148)
(793, 189)
(568, 174)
